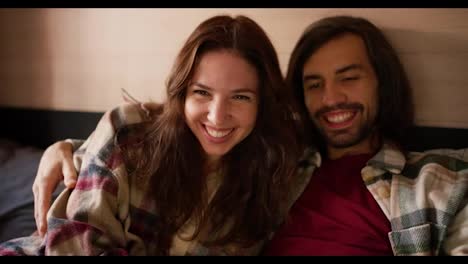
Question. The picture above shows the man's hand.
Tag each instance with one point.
(56, 165)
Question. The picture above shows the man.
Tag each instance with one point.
(365, 195)
(361, 193)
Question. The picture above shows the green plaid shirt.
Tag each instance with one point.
(424, 195)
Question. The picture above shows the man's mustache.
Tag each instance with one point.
(342, 106)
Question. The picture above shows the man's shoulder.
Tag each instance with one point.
(461, 154)
(448, 160)
(121, 124)
(127, 114)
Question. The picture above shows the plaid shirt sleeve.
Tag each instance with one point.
(91, 219)
(425, 197)
(85, 221)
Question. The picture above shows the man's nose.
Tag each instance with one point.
(333, 95)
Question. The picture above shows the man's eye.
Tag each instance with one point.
(353, 78)
(311, 86)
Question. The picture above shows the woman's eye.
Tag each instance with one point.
(201, 92)
(241, 97)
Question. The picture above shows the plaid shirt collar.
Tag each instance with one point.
(389, 158)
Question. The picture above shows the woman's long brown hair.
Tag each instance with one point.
(256, 172)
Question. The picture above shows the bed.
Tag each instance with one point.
(23, 137)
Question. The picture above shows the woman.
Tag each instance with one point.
(205, 173)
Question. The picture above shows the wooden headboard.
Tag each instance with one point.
(41, 128)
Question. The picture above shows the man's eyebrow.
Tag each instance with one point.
(310, 77)
(348, 68)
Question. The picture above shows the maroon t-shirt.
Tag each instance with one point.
(336, 215)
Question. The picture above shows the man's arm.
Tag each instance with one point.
(56, 165)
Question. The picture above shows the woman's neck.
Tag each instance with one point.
(212, 164)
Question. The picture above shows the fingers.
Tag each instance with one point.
(56, 163)
(68, 171)
(42, 191)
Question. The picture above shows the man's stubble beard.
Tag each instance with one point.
(337, 141)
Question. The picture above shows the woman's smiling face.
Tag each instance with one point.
(221, 102)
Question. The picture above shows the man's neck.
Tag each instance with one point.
(368, 146)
